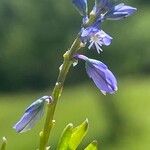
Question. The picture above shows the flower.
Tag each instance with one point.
(104, 9)
(32, 114)
(81, 6)
(101, 7)
(120, 11)
(95, 37)
(100, 74)
(91, 31)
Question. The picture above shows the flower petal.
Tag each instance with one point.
(98, 78)
(81, 6)
(95, 37)
(100, 74)
(37, 103)
(28, 120)
(120, 11)
(101, 7)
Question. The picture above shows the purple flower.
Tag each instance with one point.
(95, 37)
(81, 6)
(101, 7)
(104, 9)
(120, 11)
(100, 74)
(32, 114)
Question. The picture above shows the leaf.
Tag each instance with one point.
(65, 138)
(4, 142)
(72, 137)
(92, 146)
(78, 134)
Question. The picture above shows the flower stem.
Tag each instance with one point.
(68, 60)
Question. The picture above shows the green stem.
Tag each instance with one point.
(68, 57)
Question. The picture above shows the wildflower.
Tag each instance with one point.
(32, 114)
(101, 7)
(100, 74)
(120, 11)
(104, 9)
(95, 37)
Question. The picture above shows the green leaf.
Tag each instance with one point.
(78, 134)
(72, 137)
(65, 138)
(4, 142)
(92, 146)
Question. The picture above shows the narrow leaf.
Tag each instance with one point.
(78, 134)
(4, 142)
(92, 146)
(65, 138)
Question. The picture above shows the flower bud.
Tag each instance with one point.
(32, 114)
(100, 74)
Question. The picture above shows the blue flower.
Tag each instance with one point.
(100, 74)
(104, 9)
(95, 37)
(101, 7)
(81, 6)
(120, 11)
(32, 114)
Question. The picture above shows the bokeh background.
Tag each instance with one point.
(33, 36)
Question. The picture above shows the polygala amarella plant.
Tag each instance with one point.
(92, 36)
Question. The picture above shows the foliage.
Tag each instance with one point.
(4, 142)
(72, 137)
(92, 146)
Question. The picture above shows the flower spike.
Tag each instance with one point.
(32, 114)
(100, 74)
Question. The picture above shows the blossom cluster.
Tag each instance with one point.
(93, 36)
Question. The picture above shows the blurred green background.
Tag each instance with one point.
(33, 36)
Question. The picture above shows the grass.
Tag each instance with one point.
(118, 122)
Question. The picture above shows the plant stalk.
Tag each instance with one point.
(68, 60)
